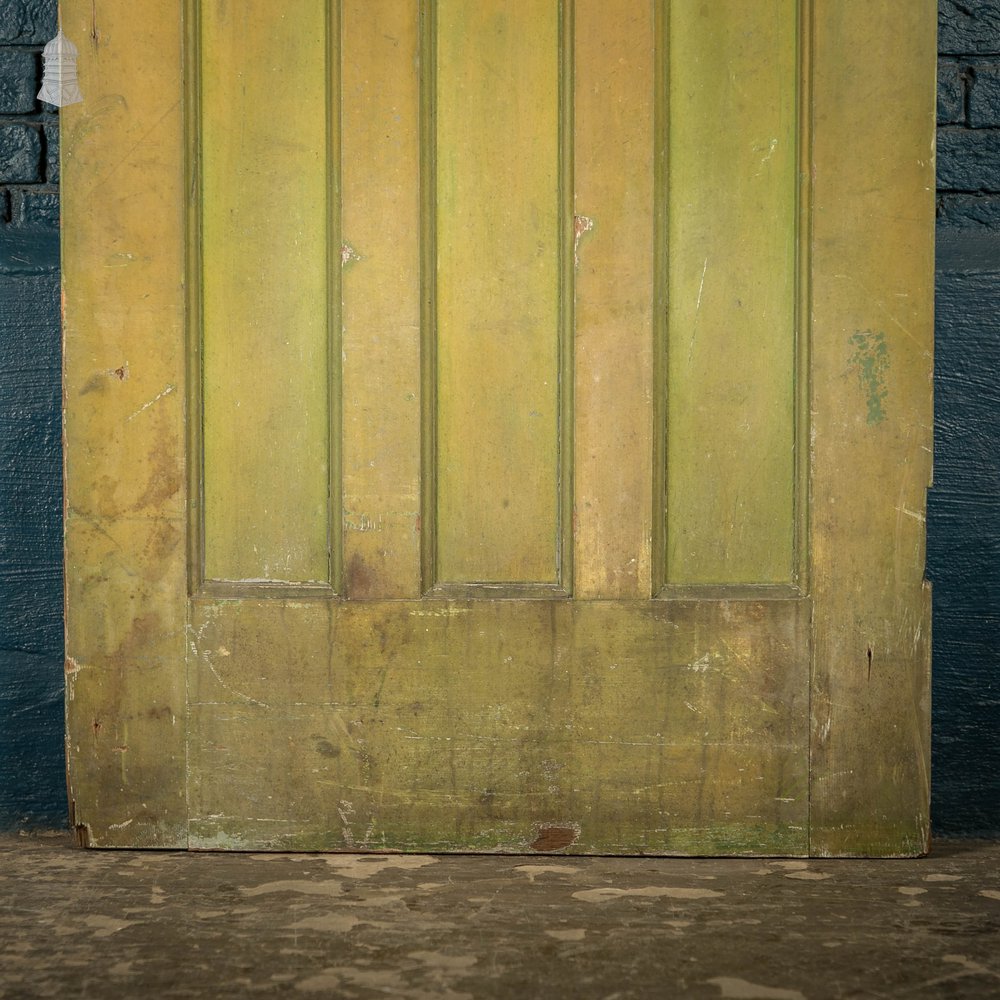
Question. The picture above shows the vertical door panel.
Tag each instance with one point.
(613, 186)
(732, 232)
(499, 232)
(266, 291)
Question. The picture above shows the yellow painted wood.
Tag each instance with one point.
(266, 285)
(666, 725)
(613, 168)
(873, 270)
(124, 388)
(381, 296)
(497, 218)
(731, 282)
(619, 727)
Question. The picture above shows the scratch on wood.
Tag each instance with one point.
(697, 310)
(206, 658)
(145, 406)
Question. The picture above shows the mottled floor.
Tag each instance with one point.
(114, 925)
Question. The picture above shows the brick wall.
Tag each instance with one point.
(968, 109)
(29, 130)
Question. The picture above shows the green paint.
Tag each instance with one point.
(871, 362)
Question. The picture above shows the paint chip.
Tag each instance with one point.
(607, 893)
(569, 934)
(362, 866)
(533, 871)
(106, 926)
(870, 362)
(336, 923)
(731, 988)
(439, 960)
(330, 887)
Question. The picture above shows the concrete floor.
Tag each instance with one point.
(126, 924)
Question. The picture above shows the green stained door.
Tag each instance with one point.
(524, 426)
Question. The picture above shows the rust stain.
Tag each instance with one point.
(100, 379)
(554, 838)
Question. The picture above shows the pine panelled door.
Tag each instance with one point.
(499, 426)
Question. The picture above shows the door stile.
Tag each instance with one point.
(126, 505)
(872, 419)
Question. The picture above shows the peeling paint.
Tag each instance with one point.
(582, 224)
(568, 934)
(607, 893)
(533, 871)
(870, 362)
(733, 988)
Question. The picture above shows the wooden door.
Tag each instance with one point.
(499, 426)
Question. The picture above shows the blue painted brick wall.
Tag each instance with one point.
(32, 788)
(963, 557)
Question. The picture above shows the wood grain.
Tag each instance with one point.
(124, 389)
(732, 148)
(613, 185)
(267, 283)
(872, 337)
(645, 727)
(497, 287)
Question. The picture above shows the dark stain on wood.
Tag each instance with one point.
(325, 748)
(554, 838)
(359, 577)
